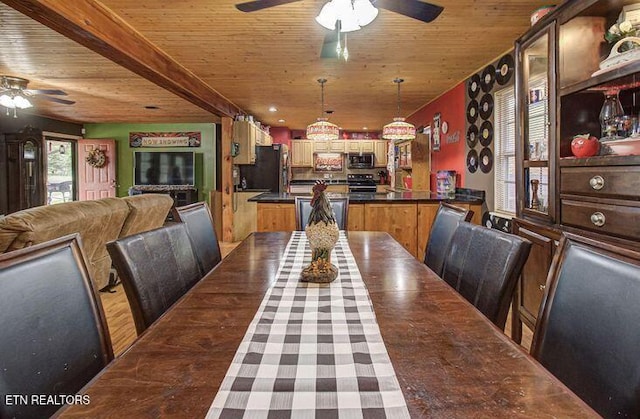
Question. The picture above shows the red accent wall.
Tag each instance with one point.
(281, 135)
(452, 110)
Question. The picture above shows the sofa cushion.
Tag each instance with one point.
(97, 221)
(146, 212)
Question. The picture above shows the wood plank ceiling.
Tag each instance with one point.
(266, 58)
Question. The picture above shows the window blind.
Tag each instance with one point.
(505, 151)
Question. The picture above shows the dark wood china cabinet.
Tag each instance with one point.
(558, 96)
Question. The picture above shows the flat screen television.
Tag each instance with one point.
(163, 168)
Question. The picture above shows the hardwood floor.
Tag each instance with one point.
(123, 331)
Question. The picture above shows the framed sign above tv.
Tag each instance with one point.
(165, 139)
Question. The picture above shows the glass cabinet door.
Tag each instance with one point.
(538, 103)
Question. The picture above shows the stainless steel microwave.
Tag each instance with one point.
(360, 161)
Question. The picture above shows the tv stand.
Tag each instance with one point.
(181, 194)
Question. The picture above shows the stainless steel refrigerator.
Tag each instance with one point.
(271, 170)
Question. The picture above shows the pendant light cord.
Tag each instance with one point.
(322, 82)
(398, 81)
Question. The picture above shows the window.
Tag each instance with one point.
(60, 163)
(505, 151)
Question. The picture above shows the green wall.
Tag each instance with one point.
(205, 155)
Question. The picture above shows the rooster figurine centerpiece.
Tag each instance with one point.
(322, 232)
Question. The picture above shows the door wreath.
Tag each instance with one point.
(96, 158)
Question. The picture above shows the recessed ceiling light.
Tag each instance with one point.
(152, 107)
(281, 120)
(273, 109)
(365, 128)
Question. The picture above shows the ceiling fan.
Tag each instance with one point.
(425, 12)
(14, 94)
(334, 45)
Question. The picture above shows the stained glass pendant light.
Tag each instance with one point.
(399, 129)
(322, 129)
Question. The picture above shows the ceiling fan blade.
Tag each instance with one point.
(425, 12)
(329, 45)
(252, 6)
(57, 100)
(46, 92)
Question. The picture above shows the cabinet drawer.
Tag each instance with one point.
(622, 181)
(619, 220)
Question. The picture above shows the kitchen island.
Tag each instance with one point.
(407, 216)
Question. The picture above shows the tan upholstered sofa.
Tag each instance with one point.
(97, 221)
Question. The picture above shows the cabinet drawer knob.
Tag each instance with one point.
(598, 219)
(542, 287)
(597, 182)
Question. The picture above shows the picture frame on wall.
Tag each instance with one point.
(435, 132)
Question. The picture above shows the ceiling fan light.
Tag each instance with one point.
(328, 16)
(364, 11)
(346, 15)
(349, 23)
(22, 102)
(7, 101)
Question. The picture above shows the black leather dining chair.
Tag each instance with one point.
(340, 208)
(53, 333)
(587, 331)
(444, 225)
(156, 268)
(199, 222)
(483, 265)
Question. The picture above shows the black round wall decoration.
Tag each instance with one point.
(486, 106)
(487, 78)
(485, 161)
(472, 136)
(486, 133)
(505, 69)
(473, 86)
(472, 111)
(472, 161)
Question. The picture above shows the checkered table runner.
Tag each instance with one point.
(312, 350)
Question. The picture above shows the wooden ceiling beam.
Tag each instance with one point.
(98, 28)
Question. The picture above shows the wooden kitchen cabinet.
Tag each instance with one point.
(380, 153)
(399, 220)
(426, 214)
(244, 136)
(248, 136)
(409, 223)
(302, 153)
(359, 146)
(321, 146)
(276, 217)
(337, 146)
(355, 217)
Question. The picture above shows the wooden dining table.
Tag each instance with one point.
(450, 361)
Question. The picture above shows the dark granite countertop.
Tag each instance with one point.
(312, 181)
(362, 197)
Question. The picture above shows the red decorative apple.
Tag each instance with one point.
(585, 145)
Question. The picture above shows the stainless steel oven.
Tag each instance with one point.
(361, 183)
(360, 161)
